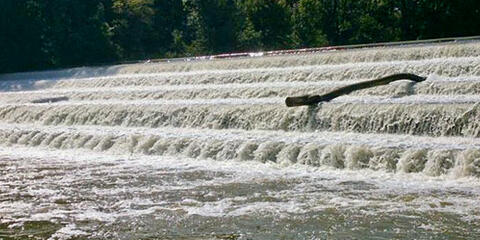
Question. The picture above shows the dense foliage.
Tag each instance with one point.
(39, 34)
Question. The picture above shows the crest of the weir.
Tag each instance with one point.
(233, 109)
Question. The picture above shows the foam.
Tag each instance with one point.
(311, 189)
(185, 142)
(433, 155)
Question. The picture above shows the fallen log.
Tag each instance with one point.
(50, 100)
(315, 99)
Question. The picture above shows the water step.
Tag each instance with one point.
(417, 116)
(381, 54)
(447, 67)
(404, 153)
(434, 85)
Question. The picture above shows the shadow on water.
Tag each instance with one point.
(311, 114)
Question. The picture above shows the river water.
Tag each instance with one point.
(208, 149)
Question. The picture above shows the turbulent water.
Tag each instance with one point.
(208, 149)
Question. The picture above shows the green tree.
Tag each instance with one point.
(212, 26)
(352, 22)
(169, 23)
(38, 34)
(132, 27)
(421, 19)
(448, 18)
(375, 21)
(22, 36)
(77, 32)
(249, 39)
(273, 19)
(307, 23)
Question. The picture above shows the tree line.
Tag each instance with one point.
(42, 34)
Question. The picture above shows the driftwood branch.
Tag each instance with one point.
(50, 100)
(315, 99)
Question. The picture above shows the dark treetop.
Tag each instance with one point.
(40, 34)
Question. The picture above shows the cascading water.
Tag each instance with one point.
(208, 150)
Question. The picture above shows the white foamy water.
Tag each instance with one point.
(208, 149)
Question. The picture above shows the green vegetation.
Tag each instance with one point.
(39, 34)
